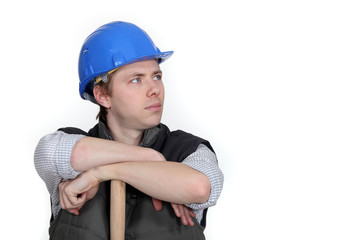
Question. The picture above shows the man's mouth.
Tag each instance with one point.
(154, 107)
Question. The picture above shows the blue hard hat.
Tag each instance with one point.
(110, 46)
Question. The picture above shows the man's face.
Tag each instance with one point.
(137, 95)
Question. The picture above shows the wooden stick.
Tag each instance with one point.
(117, 210)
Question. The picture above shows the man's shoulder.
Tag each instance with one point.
(178, 134)
(72, 130)
(181, 144)
(94, 131)
(186, 138)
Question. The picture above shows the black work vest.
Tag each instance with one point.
(142, 220)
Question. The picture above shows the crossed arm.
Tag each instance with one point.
(144, 168)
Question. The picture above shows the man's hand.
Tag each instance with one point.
(74, 193)
(181, 211)
(184, 213)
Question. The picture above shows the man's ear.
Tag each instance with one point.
(101, 96)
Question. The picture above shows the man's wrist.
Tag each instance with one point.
(99, 173)
(108, 172)
(154, 156)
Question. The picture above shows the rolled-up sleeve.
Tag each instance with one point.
(205, 161)
(52, 155)
(52, 162)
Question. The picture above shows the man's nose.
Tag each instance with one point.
(154, 89)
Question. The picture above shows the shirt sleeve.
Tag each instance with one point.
(52, 162)
(205, 161)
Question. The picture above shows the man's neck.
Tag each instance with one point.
(125, 135)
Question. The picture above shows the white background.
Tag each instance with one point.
(274, 85)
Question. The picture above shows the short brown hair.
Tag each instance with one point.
(105, 86)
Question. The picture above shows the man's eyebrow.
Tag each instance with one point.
(140, 74)
(157, 72)
(135, 74)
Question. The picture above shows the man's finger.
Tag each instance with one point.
(183, 215)
(157, 204)
(176, 209)
(73, 211)
(77, 201)
(192, 214)
(188, 217)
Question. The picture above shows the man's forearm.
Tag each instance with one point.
(91, 152)
(167, 181)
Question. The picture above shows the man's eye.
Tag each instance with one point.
(157, 77)
(135, 80)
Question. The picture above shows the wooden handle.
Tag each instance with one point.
(117, 210)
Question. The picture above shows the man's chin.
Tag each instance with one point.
(153, 123)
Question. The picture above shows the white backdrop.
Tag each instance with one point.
(274, 85)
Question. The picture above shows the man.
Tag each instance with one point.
(169, 174)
